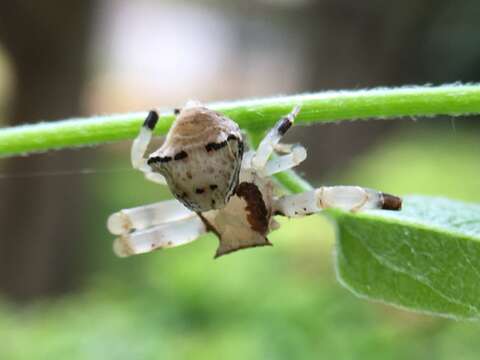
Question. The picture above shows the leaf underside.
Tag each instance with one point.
(424, 258)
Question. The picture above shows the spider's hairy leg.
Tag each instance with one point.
(155, 177)
(140, 145)
(352, 198)
(142, 217)
(170, 234)
(297, 154)
(270, 141)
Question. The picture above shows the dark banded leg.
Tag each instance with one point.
(140, 145)
(267, 145)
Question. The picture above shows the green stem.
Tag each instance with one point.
(292, 182)
(253, 115)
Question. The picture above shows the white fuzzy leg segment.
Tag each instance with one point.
(297, 155)
(166, 235)
(140, 145)
(143, 217)
(267, 145)
(352, 198)
(247, 159)
(155, 177)
(296, 205)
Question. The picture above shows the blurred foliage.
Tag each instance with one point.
(272, 303)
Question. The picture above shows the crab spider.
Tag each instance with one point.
(221, 189)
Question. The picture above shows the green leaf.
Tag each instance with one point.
(424, 258)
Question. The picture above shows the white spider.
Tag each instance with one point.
(222, 190)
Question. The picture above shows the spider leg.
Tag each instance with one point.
(155, 177)
(282, 149)
(352, 198)
(267, 145)
(139, 147)
(140, 144)
(295, 155)
(165, 235)
(143, 217)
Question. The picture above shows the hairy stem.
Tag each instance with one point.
(253, 115)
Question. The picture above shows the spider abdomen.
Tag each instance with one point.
(200, 158)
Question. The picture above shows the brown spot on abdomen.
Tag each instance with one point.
(181, 155)
(257, 214)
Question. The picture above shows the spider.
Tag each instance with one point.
(221, 189)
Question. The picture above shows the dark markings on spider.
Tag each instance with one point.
(159, 159)
(181, 155)
(151, 120)
(257, 214)
(391, 202)
(215, 146)
(284, 126)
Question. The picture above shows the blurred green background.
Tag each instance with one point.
(64, 294)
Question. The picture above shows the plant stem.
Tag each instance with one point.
(292, 182)
(254, 115)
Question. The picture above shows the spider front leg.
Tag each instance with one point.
(139, 147)
(295, 155)
(352, 198)
(146, 228)
(143, 217)
(169, 234)
(270, 143)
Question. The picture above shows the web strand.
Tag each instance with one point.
(86, 171)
